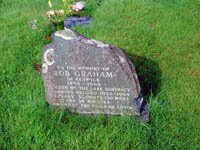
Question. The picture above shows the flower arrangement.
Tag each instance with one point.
(56, 14)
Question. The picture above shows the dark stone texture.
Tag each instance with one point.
(90, 77)
(76, 21)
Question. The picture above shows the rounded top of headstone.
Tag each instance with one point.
(66, 34)
(69, 34)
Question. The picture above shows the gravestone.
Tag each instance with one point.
(89, 77)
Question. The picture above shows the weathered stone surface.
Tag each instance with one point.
(90, 77)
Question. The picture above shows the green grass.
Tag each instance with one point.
(161, 37)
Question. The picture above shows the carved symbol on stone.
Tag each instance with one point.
(49, 57)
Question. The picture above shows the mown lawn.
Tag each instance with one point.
(161, 37)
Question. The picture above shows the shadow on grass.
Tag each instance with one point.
(148, 72)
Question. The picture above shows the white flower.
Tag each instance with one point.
(50, 13)
(55, 12)
(60, 12)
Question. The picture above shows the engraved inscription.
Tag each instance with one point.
(83, 88)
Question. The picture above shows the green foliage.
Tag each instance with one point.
(161, 38)
(91, 7)
(67, 6)
(57, 19)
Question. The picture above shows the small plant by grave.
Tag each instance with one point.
(59, 11)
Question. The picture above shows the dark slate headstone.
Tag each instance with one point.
(88, 77)
(76, 21)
